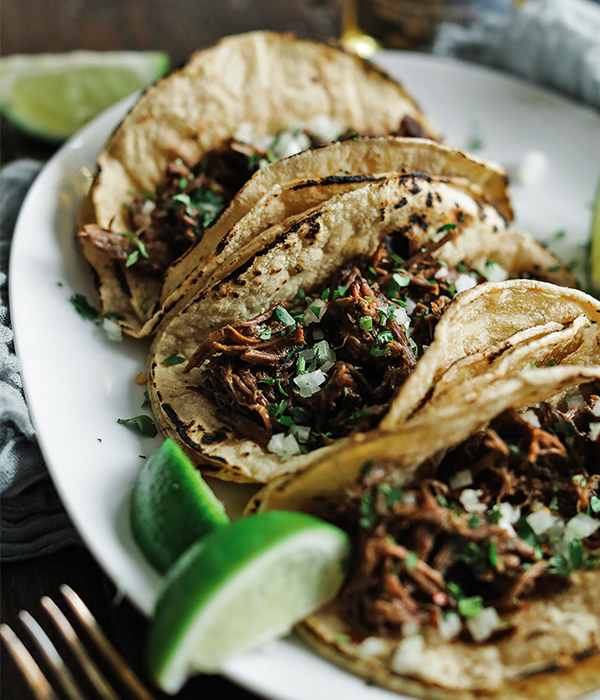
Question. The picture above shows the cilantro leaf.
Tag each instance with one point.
(174, 359)
(144, 423)
(84, 308)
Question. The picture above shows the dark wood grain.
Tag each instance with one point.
(24, 583)
(176, 26)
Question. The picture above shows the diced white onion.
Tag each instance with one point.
(481, 626)
(289, 143)
(470, 501)
(148, 207)
(531, 418)
(581, 526)
(509, 515)
(318, 334)
(461, 479)
(410, 306)
(494, 272)
(596, 409)
(410, 628)
(464, 282)
(594, 431)
(318, 306)
(113, 330)
(300, 432)
(371, 646)
(442, 273)
(575, 399)
(449, 626)
(323, 126)
(400, 316)
(409, 654)
(326, 356)
(283, 445)
(410, 499)
(244, 133)
(307, 354)
(309, 383)
(540, 521)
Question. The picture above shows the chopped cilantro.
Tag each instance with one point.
(146, 399)
(493, 554)
(396, 283)
(183, 183)
(266, 334)
(366, 323)
(446, 227)
(366, 468)
(470, 607)
(339, 293)
(560, 234)
(84, 308)
(411, 560)
(554, 268)
(145, 424)
(384, 337)
(595, 504)
(325, 294)
(283, 316)
(474, 521)
(367, 511)
(379, 352)
(174, 359)
(300, 415)
(301, 365)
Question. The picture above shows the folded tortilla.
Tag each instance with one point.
(303, 255)
(550, 646)
(272, 82)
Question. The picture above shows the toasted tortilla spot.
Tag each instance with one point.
(213, 438)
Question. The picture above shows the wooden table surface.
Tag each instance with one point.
(178, 27)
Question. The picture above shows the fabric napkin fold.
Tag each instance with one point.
(551, 42)
(32, 518)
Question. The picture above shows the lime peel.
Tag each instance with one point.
(241, 586)
(172, 507)
(53, 95)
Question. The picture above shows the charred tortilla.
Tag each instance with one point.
(304, 257)
(421, 504)
(272, 82)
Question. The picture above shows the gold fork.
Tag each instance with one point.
(39, 684)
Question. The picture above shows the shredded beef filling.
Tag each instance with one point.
(491, 526)
(329, 363)
(166, 223)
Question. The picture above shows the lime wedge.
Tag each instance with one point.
(243, 585)
(53, 95)
(595, 250)
(172, 507)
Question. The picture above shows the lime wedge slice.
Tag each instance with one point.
(243, 585)
(53, 95)
(172, 507)
(595, 249)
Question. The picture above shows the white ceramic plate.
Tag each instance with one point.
(78, 383)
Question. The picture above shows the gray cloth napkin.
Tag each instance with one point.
(552, 42)
(32, 518)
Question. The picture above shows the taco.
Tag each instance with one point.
(477, 542)
(306, 341)
(299, 183)
(196, 136)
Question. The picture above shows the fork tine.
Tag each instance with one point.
(106, 648)
(29, 668)
(50, 653)
(92, 671)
